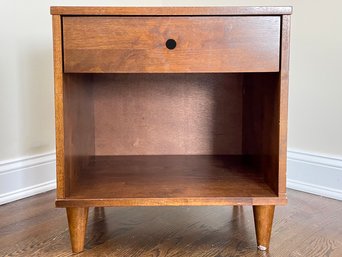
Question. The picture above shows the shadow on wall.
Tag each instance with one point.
(36, 104)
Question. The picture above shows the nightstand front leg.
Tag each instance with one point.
(263, 219)
(77, 219)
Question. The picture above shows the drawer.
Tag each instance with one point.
(144, 44)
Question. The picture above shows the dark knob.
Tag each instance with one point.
(171, 44)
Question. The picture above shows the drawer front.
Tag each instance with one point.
(203, 44)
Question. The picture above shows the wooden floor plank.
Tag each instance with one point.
(308, 226)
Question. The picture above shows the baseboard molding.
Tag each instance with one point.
(27, 192)
(315, 173)
(27, 176)
(308, 172)
(314, 189)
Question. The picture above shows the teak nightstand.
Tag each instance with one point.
(171, 107)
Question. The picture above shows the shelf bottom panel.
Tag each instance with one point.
(169, 180)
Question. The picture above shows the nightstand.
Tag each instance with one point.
(171, 107)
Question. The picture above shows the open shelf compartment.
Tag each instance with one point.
(171, 139)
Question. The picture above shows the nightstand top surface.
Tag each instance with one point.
(172, 11)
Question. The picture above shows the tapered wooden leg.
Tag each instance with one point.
(77, 219)
(263, 219)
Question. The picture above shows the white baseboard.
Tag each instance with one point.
(315, 173)
(27, 176)
(312, 173)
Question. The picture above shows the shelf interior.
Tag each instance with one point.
(172, 136)
(169, 176)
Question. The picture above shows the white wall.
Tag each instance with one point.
(26, 82)
(26, 91)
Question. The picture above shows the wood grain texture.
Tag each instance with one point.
(59, 107)
(283, 101)
(77, 221)
(265, 118)
(261, 124)
(168, 114)
(309, 226)
(204, 44)
(169, 180)
(180, 201)
(263, 220)
(193, 11)
(79, 138)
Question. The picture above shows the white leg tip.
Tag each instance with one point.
(262, 248)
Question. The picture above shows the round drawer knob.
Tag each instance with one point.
(171, 44)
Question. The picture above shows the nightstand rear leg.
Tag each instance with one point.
(263, 219)
(77, 219)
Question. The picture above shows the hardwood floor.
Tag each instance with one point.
(309, 226)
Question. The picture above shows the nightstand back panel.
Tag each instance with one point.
(168, 114)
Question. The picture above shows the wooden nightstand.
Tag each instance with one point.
(171, 107)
